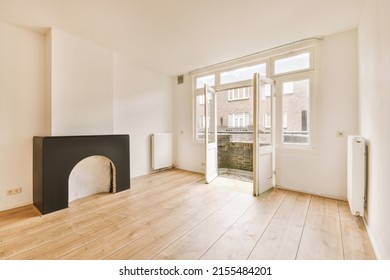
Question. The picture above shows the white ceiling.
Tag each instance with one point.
(176, 36)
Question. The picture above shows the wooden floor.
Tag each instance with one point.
(174, 215)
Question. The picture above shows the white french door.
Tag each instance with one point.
(211, 146)
(263, 134)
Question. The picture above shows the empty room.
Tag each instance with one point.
(194, 130)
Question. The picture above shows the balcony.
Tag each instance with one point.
(235, 154)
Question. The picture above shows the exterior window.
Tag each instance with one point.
(266, 120)
(238, 94)
(201, 99)
(200, 119)
(238, 120)
(202, 122)
(285, 123)
(288, 88)
(292, 63)
(293, 72)
(296, 107)
(242, 74)
(208, 80)
(267, 90)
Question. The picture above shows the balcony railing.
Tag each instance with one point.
(244, 134)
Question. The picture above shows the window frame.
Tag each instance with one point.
(269, 59)
(204, 76)
(238, 67)
(292, 54)
(304, 75)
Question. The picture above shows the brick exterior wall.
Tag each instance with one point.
(294, 104)
(234, 155)
(240, 156)
(223, 150)
(226, 107)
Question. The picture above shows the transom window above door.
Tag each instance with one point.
(242, 74)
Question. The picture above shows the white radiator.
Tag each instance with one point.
(161, 150)
(356, 181)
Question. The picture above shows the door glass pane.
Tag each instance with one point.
(200, 117)
(242, 74)
(208, 80)
(265, 117)
(211, 117)
(292, 63)
(296, 112)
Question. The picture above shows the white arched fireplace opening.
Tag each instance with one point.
(92, 175)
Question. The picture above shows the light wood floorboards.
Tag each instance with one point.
(174, 215)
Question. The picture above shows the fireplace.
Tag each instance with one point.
(54, 158)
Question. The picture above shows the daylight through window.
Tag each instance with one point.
(292, 72)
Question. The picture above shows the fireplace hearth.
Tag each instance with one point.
(54, 158)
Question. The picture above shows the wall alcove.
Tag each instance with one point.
(92, 175)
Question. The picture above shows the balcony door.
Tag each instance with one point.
(263, 134)
(211, 146)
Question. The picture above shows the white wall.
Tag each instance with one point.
(81, 86)
(95, 91)
(60, 84)
(374, 105)
(142, 106)
(80, 81)
(22, 109)
(324, 170)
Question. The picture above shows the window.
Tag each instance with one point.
(238, 94)
(292, 63)
(238, 120)
(288, 88)
(242, 74)
(293, 73)
(200, 119)
(208, 80)
(266, 120)
(200, 99)
(202, 123)
(285, 123)
(296, 107)
(267, 89)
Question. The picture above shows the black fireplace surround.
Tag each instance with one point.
(54, 157)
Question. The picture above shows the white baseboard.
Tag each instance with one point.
(312, 193)
(16, 205)
(373, 244)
